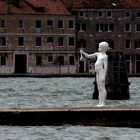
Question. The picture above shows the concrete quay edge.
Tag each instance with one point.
(120, 116)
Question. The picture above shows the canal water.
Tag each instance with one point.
(60, 92)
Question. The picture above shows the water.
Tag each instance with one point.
(45, 92)
(68, 133)
(60, 92)
(56, 92)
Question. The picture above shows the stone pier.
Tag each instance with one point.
(120, 116)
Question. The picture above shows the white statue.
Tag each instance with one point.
(101, 69)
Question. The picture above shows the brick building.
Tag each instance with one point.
(36, 37)
(114, 21)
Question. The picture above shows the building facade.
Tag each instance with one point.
(43, 37)
(117, 22)
(36, 38)
(119, 27)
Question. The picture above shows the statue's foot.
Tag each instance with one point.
(100, 105)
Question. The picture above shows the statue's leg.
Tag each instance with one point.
(101, 88)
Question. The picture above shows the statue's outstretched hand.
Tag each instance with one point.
(81, 51)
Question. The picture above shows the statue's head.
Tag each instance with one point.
(103, 46)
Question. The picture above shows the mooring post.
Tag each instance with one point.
(117, 84)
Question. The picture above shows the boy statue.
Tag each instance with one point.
(101, 69)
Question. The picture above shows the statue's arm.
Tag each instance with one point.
(90, 56)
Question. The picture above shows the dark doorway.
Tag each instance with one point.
(81, 66)
(20, 63)
(61, 60)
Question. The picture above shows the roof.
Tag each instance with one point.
(34, 7)
(109, 4)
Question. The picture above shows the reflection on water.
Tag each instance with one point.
(60, 92)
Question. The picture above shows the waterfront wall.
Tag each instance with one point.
(41, 70)
(52, 69)
(6, 69)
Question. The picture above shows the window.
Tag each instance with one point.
(105, 27)
(137, 28)
(127, 44)
(2, 41)
(128, 60)
(3, 60)
(38, 23)
(71, 24)
(50, 58)
(20, 41)
(138, 57)
(109, 14)
(60, 41)
(50, 40)
(127, 27)
(100, 14)
(38, 41)
(138, 63)
(81, 14)
(100, 27)
(137, 44)
(38, 60)
(97, 43)
(61, 60)
(71, 60)
(2, 23)
(60, 24)
(127, 14)
(50, 23)
(82, 43)
(111, 43)
(109, 27)
(20, 24)
(138, 14)
(71, 41)
(82, 27)
(127, 57)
